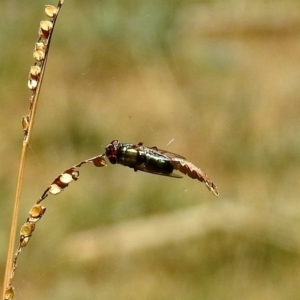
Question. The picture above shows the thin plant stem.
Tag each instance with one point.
(13, 230)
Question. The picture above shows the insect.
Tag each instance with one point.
(155, 161)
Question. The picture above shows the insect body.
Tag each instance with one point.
(155, 161)
(140, 158)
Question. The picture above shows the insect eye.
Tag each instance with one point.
(109, 149)
(112, 159)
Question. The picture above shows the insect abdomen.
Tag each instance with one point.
(158, 164)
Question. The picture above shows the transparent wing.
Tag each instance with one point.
(166, 153)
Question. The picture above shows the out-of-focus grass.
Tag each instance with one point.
(219, 80)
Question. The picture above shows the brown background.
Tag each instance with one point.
(218, 79)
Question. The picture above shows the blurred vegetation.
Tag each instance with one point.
(221, 78)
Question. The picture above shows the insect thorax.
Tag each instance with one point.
(127, 155)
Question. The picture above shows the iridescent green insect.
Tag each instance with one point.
(155, 161)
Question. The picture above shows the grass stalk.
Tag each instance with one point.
(34, 83)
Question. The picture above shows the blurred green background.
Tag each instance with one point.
(217, 79)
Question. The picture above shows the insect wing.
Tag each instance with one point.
(166, 153)
(143, 168)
